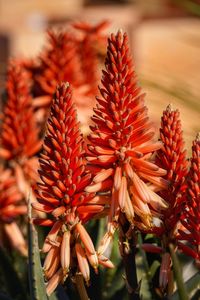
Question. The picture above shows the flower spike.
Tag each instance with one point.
(121, 141)
(172, 157)
(191, 214)
(19, 132)
(61, 193)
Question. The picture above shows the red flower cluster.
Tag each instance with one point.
(59, 62)
(91, 44)
(61, 195)
(172, 157)
(121, 144)
(191, 214)
(11, 207)
(19, 139)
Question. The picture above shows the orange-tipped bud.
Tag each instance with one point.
(82, 262)
(105, 242)
(117, 178)
(58, 211)
(104, 261)
(85, 238)
(93, 259)
(53, 267)
(54, 281)
(100, 186)
(50, 257)
(65, 252)
(51, 237)
(100, 200)
(128, 208)
(123, 193)
(103, 175)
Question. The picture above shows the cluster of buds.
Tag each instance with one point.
(190, 231)
(19, 140)
(91, 42)
(61, 194)
(121, 145)
(11, 206)
(172, 157)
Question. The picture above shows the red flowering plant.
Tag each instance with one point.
(61, 195)
(69, 56)
(19, 137)
(19, 143)
(120, 150)
(121, 143)
(91, 43)
(171, 157)
(190, 231)
(11, 207)
(121, 172)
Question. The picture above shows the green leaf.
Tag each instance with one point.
(11, 279)
(182, 291)
(155, 265)
(36, 279)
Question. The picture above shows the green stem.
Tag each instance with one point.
(81, 287)
(178, 275)
(128, 252)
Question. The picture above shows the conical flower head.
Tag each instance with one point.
(19, 132)
(91, 43)
(172, 157)
(58, 62)
(61, 193)
(191, 214)
(121, 141)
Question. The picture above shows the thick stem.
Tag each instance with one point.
(178, 275)
(81, 287)
(128, 251)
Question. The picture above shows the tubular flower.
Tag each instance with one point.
(59, 62)
(91, 43)
(11, 207)
(19, 133)
(191, 214)
(172, 157)
(61, 195)
(121, 143)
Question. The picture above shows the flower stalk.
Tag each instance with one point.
(178, 274)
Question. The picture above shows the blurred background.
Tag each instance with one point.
(164, 37)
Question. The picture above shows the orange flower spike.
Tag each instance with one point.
(172, 157)
(191, 212)
(58, 62)
(90, 45)
(18, 141)
(11, 207)
(121, 141)
(61, 192)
